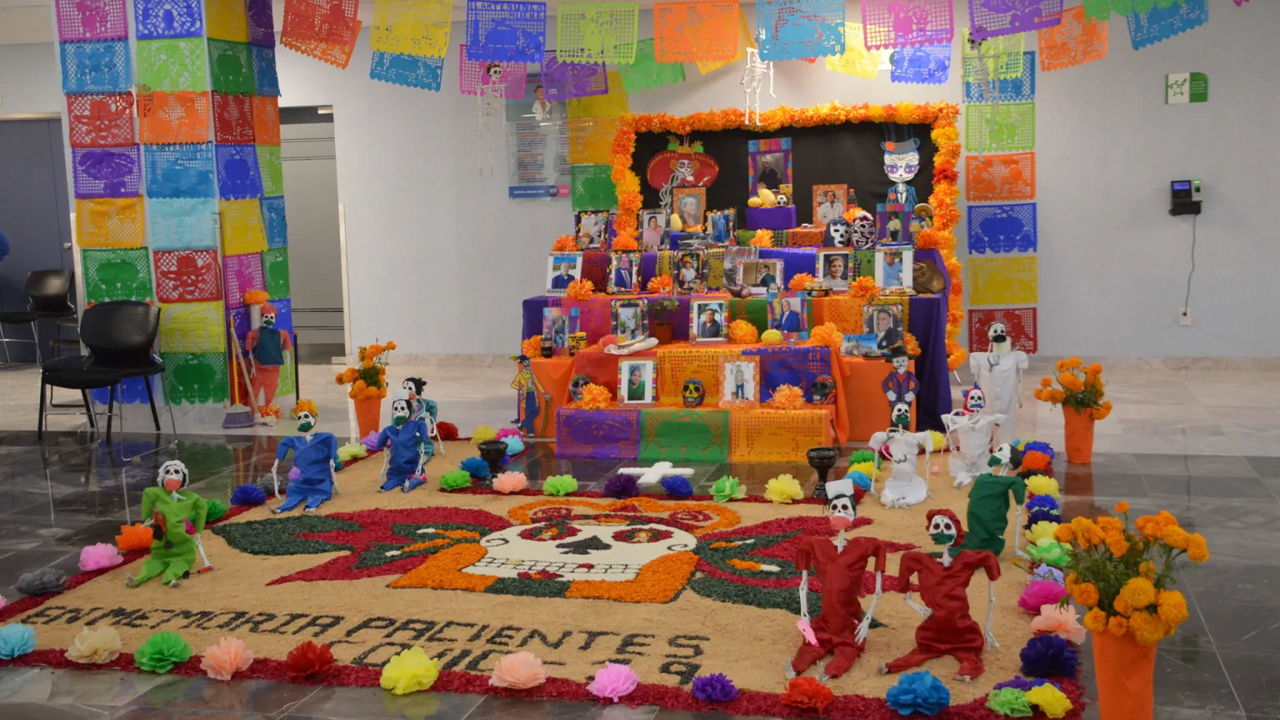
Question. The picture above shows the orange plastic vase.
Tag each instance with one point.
(368, 413)
(1079, 431)
(1125, 672)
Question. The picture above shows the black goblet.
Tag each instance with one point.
(822, 459)
(492, 452)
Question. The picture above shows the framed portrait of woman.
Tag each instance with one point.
(835, 267)
(636, 383)
(691, 205)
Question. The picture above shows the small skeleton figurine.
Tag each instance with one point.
(176, 517)
(315, 455)
(988, 513)
(753, 81)
(407, 442)
(999, 372)
(969, 433)
(904, 487)
(493, 93)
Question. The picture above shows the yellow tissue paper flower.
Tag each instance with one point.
(1051, 701)
(1043, 485)
(95, 646)
(410, 671)
(866, 468)
(1042, 529)
(483, 433)
(939, 440)
(783, 489)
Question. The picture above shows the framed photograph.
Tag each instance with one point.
(558, 326)
(733, 259)
(893, 267)
(562, 269)
(691, 205)
(722, 226)
(592, 230)
(624, 273)
(709, 321)
(769, 162)
(886, 319)
(690, 272)
(629, 320)
(636, 386)
(863, 345)
(653, 229)
(835, 268)
(894, 223)
(762, 276)
(789, 314)
(739, 381)
(828, 203)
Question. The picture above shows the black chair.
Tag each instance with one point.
(48, 296)
(120, 336)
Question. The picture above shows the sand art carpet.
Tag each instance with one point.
(673, 588)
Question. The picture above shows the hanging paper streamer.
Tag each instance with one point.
(100, 120)
(131, 391)
(591, 140)
(1101, 9)
(231, 66)
(1075, 42)
(242, 231)
(271, 168)
(990, 18)
(337, 54)
(615, 103)
(243, 273)
(409, 70)
(1007, 90)
(186, 276)
(227, 20)
(1019, 323)
(238, 174)
(704, 31)
(266, 120)
(109, 223)
(173, 65)
(275, 270)
(1000, 177)
(565, 80)
(232, 118)
(161, 19)
(116, 275)
(106, 172)
(265, 79)
(1000, 229)
(274, 222)
(646, 72)
(192, 328)
(100, 66)
(181, 117)
(1165, 21)
(745, 40)
(857, 59)
(902, 23)
(592, 188)
(799, 29)
(1002, 55)
(589, 32)
(91, 20)
(508, 32)
(195, 378)
(923, 65)
(472, 76)
(1000, 128)
(411, 27)
(320, 20)
(182, 224)
(1002, 281)
(262, 25)
(180, 171)
(239, 320)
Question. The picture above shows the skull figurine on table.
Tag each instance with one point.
(694, 393)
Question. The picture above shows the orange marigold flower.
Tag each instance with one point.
(580, 290)
(800, 281)
(595, 397)
(1086, 594)
(1147, 569)
(1117, 544)
(742, 332)
(1122, 507)
(1118, 626)
(564, 243)
(1064, 534)
(762, 239)
(827, 334)
(660, 285)
(1139, 592)
(787, 397)
(1046, 382)
(1175, 537)
(1148, 629)
(1122, 606)
(1197, 548)
(1095, 620)
(531, 346)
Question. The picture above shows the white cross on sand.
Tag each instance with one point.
(654, 475)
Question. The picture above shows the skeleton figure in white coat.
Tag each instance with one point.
(999, 373)
(969, 434)
(753, 78)
(904, 487)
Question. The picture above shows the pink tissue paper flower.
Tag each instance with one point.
(613, 681)
(98, 557)
(225, 659)
(518, 671)
(1061, 621)
(1039, 593)
(505, 433)
(510, 482)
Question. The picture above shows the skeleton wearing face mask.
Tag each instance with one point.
(999, 372)
(315, 455)
(407, 442)
(969, 434)
(177, 518)
(266, 346)
(988, 514)
(841, 627)
(904, 487)
(944, 579)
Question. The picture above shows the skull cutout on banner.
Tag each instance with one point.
(694, 393)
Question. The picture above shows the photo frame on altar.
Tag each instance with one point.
(690, 204)
(829, 203)
(733, 259)
(709, 321)
(863, 345)
(624, 273)
(592, 229)
(722, 226)
(690, 272)
(886, 319)
(894, 267)
(761, 276)
(769, 163)
(835, 268)
(637, 385)
(562, 269)
(894, 225)
(740, 381)
(653, 229)
(558, 325)
(789, 314)
(629, 320)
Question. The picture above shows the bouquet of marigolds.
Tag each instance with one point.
(1124, 577)
(1079, 387)
(368, 379)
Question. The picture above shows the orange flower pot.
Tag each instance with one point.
(1125, 672)
(661, 331)
(368, 414)
(1079, 431)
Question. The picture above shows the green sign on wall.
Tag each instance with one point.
(1183, 88)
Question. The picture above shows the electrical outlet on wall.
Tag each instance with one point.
(1184, 317)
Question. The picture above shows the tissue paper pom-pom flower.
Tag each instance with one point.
(136, 537)
(448, 431)
(564, 243)
(1041, 592)
(99, 556)
(518, 671)
(1049, 656)
(95, 646)
(1019, 683)
(1043, 516)
(595, 397)
(256, 297)
(1050, 552)
(799, 281)
(352, 451)
(1047, 572)
(677, 486)
(728, 488)
(613, 681)
(559, 485)
(742, 332)
(805, 693)
(1037, 461)
(295, 473)
(787, 397)
(455, 480)
(475, 467)
(510, 482)
(1061, 621)
(505, 433)
(1051, 701)
(827, 335)
(308, 661)
(714, 688)
(41, 582)
(865, 468)
(244, 496)
(622, 486)
(225, 659)
(409, 671)
(531, 346)
(1044, 503)
(16, 640)
(860, 479)
(483, 433)
(660, 285)
(1043, 485)
(918, 692)
(939, 440)
(161, 652)
(215, 510)
(762, 239)
(783, 490)
(1009, 702)
(1040, 447)
(515, 445)
(1041, 530)
(580, 290)
(861, 456)
(370, 441)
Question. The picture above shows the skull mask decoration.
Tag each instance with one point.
(400, 411)
(842, 503)
(173, 476)
(864, 231)
(902, 161)
(823, 390)
(901, 416)
(413, 387)
(694, 393)
(840, 233)
(576, 385)
(945, 530)
(996, 333)
(974, 399)
(561, 551)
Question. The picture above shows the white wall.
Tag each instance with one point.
(440, 259)
(30, 80)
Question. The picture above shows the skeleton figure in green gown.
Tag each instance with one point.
(176, 517)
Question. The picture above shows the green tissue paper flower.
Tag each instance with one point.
(161, 652)
(1050, 552)
(1010, 702)
(864, 455)
(215, 509)
(559, 485)
(455, 480)
(728, 488)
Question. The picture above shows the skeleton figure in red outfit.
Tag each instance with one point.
(841, 627)
(944, 580)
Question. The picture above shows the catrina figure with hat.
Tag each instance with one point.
(969, 434)
(177, 518)
(315, 455)
(406, 441)
(999, 372)
(901, 163)
(266, 346)
(900, 385)
(841, 627)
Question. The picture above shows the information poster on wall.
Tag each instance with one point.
(537, 145)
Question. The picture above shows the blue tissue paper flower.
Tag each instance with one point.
(919, 692)
(475, 467)
(1049, 656)
(1047, 572)
(1038, 446)
(714, 688)
(1020, 683)
(515, 445)
(860, 480)
(677, 486)
(16, 640)
(248, 496)
(1041, 516)
(622, 486)
(1043, 502)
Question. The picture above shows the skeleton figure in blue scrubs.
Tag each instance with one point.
(422, 407)
(315, 455)
(408, 448)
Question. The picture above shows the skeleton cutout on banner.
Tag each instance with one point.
(753, 77)
(492, 97)
(988, 84)
(901, 164)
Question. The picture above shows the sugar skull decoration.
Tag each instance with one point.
(998, 335)
(173, 476)
(864, 230)
(840, 233)
(944, 529)
(974, 399)
(901, 163)
(823, 390)
(900, 416)
(694, 393)
(576, 385)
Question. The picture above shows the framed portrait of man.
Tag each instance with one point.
(562, 269)
(709, 321)
(886, 319)
(739, 381)
(828, 203)
(624, 273)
